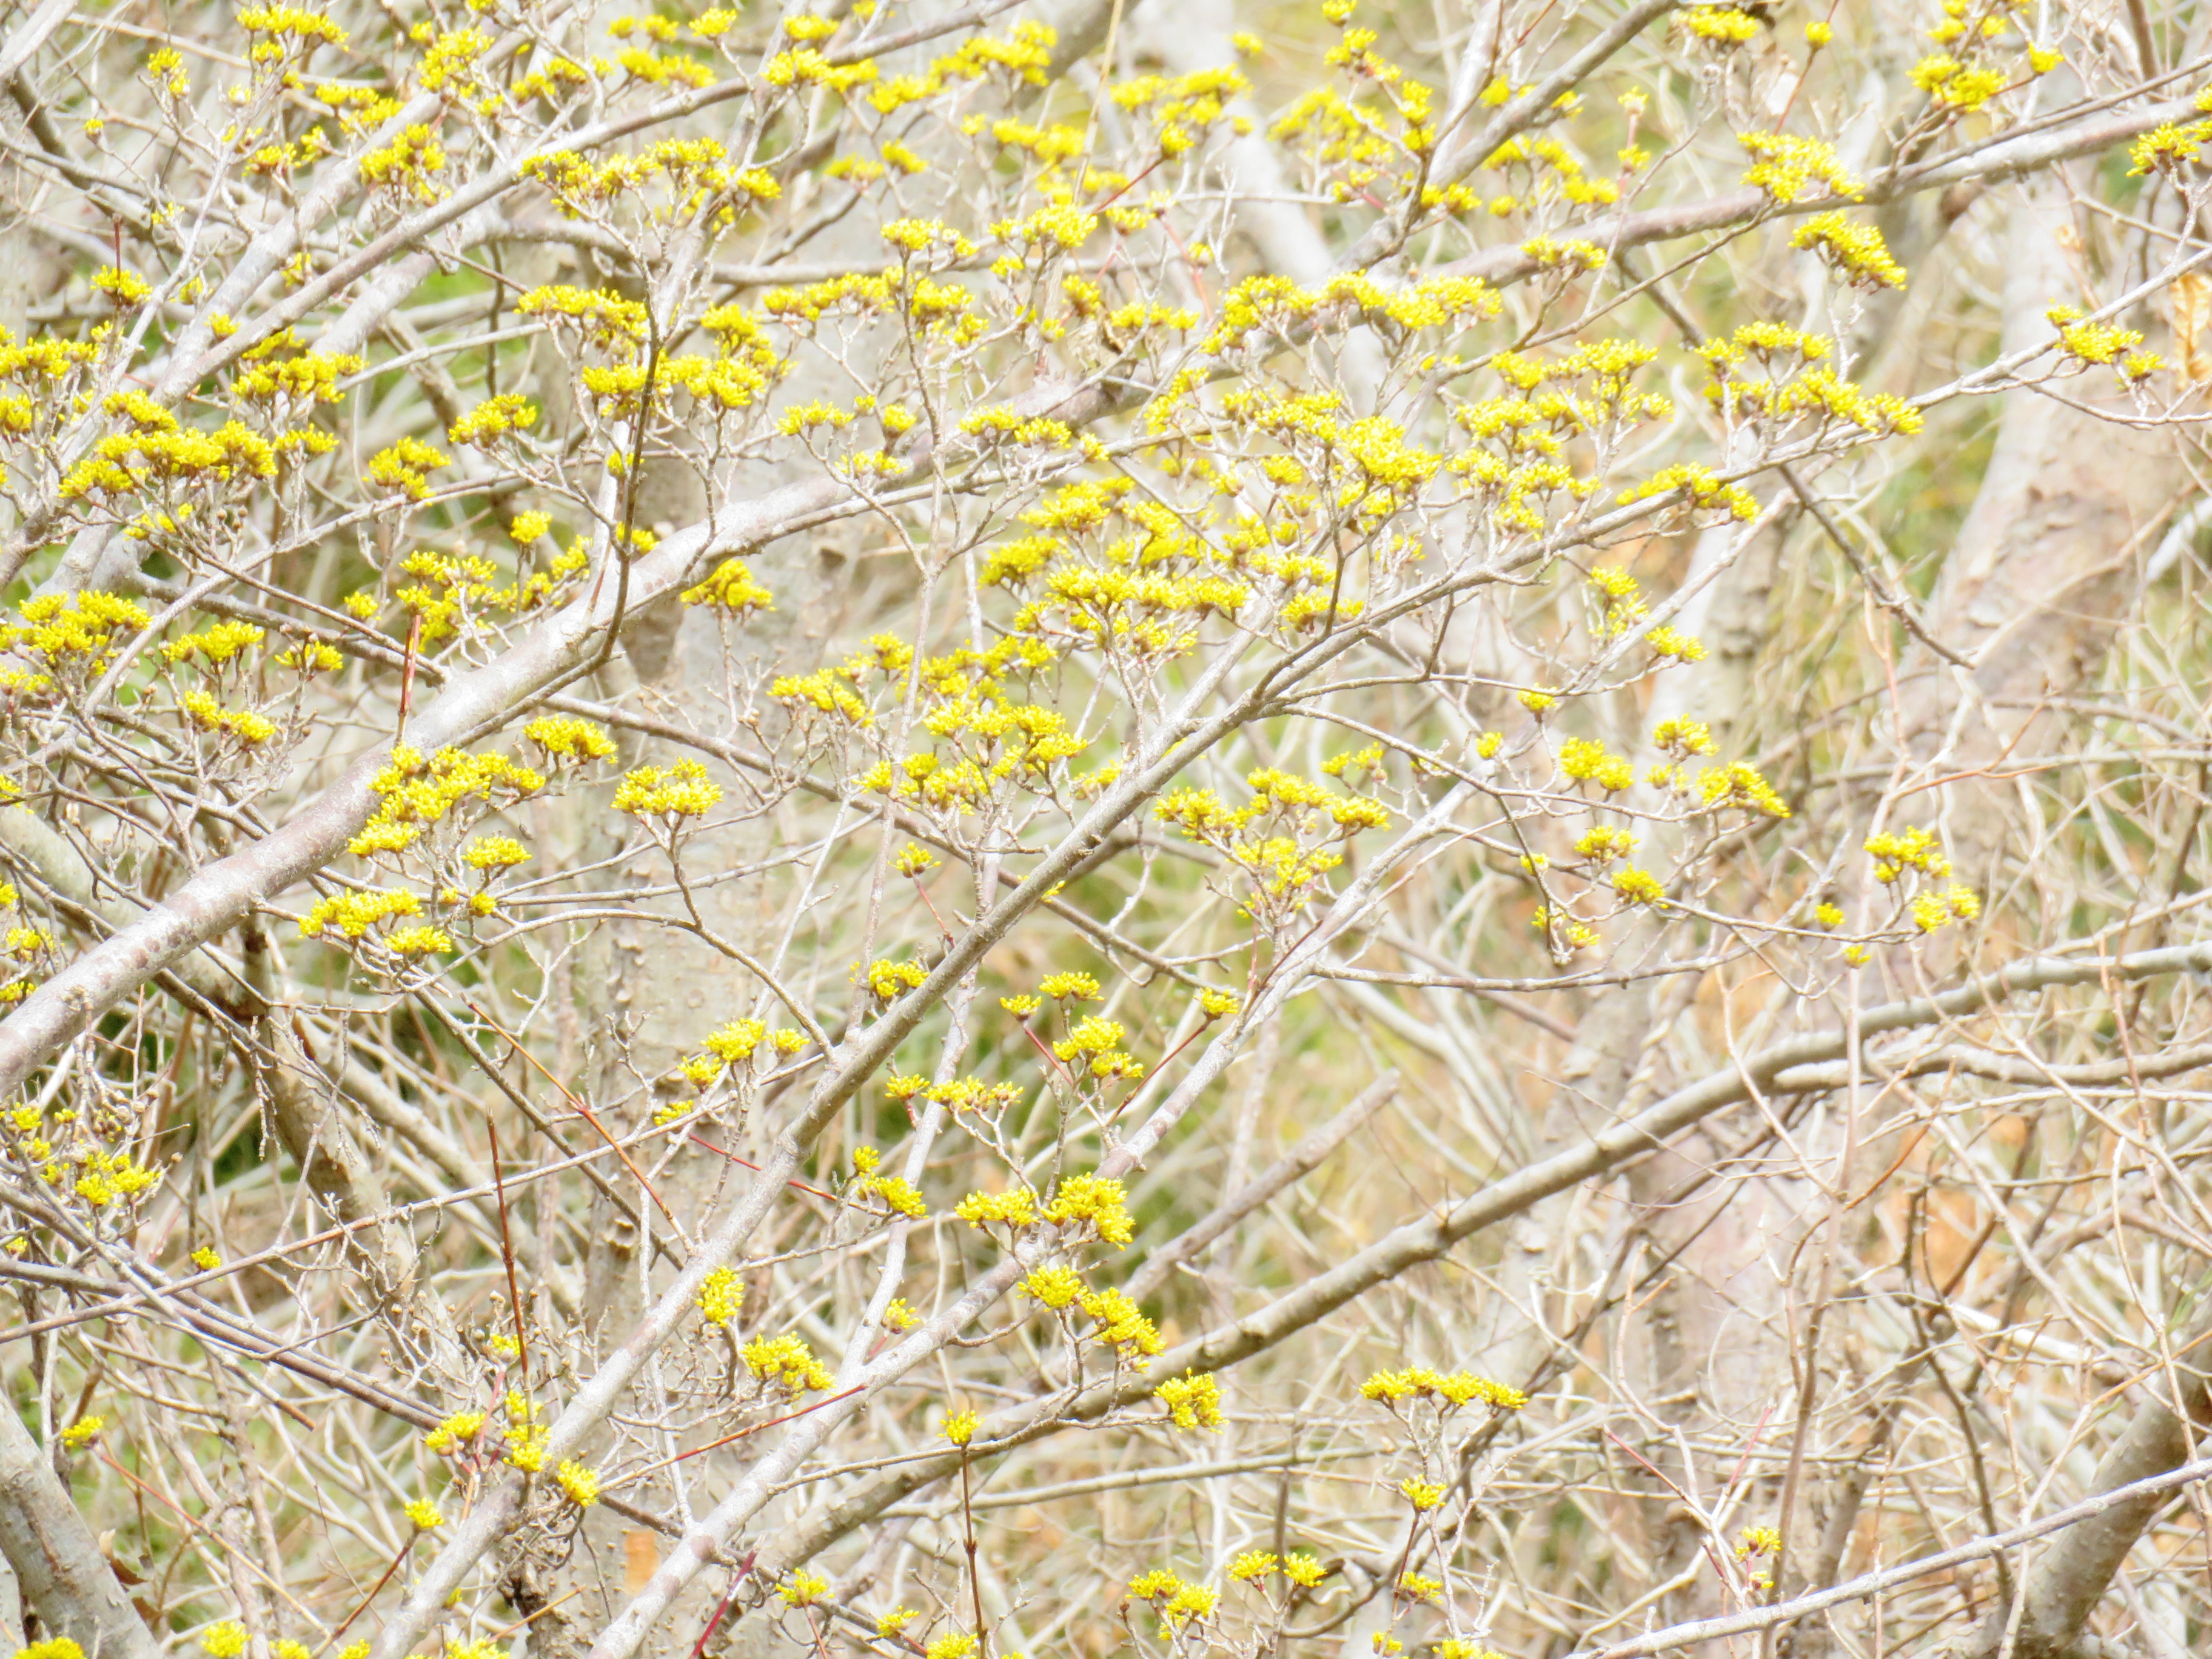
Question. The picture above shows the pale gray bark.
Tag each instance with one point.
(2072, 1576)
(65, 1579)
(2032, 595)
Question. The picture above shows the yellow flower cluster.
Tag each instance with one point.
(727, 1048)
(1621, 599)
(1671, 642)
(406, 466)
(218, 644)
(730, 588)
(2168, 148)
(823, 690)
(103, 1177)
(124, 288)
(416, 793)
(692, 170)
(1740, 785)
(786, 1360)
(1718, 26)
(1056, 1287)
(1012, 1208)
(1095, 1043)
(1193, 1400)
(974, 1094)
(526, 1435)
(1176, 1602)
(490, 853)
(1585, 760)
(205, 712)
(1784, 165)
(73, 631)
(160, 455)
(1683, 737)
(895, 1191)
(353, 914)
(1604, 843)
(1699, 485)
(309, 377)
(1459, 1389)
(1122, 1326)
(1638, 886)
(306, 27)
(1099, 1201)
(455, 1432)
(1300, 1567)
(1931, 911)
(568, 738)
(887, 979)
(721, 1296)
(2100, 342)
(1914, 848)
(1960, 86)
(1852, 248)
(604, 318)
(417, 941)
(680, 791)
(496, 417)
(407, 164)
(805, 1589)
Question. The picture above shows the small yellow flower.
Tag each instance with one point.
(1303, 1569)
(1194, 1401)
(579, 1482)
(455, 1431)
(960, 1427)
(1638, 886)
(424, 1514)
